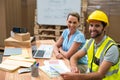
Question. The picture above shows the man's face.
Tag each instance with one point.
(96, 29)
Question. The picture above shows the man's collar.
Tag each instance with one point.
(97, 45)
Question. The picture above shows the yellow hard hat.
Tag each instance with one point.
(99, 16)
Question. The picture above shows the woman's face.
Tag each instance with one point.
(72, 23)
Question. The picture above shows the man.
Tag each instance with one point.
(102, 51)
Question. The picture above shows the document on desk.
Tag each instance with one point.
(49, 71)
(14, 62)
(8, 67)
(59, 66)
(54, 68)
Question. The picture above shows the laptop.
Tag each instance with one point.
(43, 51)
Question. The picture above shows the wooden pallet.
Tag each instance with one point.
(48, 31)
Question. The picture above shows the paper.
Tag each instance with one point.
(17, 63)
(21, 58)
(53, 68)
(8, 67)
(14, 62)
(49, 71)
(59, 66)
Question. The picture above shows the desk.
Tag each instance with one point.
(27, 76)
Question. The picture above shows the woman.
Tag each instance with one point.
(71, 41)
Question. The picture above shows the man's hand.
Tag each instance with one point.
(70, 76)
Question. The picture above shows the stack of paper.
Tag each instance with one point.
(59, 66)
(14, 62)
(49, 71)
(54, 68)
(8, 67)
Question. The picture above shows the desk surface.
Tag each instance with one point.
(4, 75)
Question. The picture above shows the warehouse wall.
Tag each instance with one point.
(112, 8)
(19, 13)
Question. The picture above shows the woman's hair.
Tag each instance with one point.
(75, 14)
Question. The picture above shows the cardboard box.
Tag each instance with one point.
(21, 36)
(16, 43)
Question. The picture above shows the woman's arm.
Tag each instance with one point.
(57, 45)
(71, 51)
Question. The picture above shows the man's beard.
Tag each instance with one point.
(97, 35)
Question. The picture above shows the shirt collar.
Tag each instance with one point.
(97, 45)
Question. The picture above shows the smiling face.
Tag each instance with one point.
(96, 29)
(72, 23)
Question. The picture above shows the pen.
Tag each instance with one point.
(37, 64)
(33, 64)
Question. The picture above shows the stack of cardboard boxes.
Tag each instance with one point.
(18, 40)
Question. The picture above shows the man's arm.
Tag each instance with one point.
(74, 59)
(104, 67)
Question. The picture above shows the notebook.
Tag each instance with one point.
(43, 51)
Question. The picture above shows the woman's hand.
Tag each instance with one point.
(59, 56)
(63, 53)
(75, 69)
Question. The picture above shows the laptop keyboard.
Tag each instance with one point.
(40, 53)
